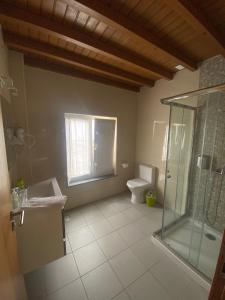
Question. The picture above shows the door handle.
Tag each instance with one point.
(13, 218)
(169, 176)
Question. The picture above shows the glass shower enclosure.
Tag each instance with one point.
(194, 200)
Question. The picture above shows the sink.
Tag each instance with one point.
(41, 238)
(44, 193)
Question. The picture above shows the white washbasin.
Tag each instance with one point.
(44, 193)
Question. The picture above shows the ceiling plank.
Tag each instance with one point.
(75, 35)
(192, 13)
(121, 22)
(66, 70)
(23, 44)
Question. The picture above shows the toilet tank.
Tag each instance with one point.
(147, 173)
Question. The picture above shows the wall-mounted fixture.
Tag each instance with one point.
(203, 162)
(17, 137)
(125, 165)
(7, 83)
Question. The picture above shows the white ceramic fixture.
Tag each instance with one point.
(41, 238)
(138, 186)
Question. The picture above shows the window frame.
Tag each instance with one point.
(71, 181)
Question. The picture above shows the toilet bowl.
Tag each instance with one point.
(138, 186)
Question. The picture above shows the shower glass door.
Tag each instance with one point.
(178, 230)
(180, 142)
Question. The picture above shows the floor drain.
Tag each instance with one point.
(210, 236)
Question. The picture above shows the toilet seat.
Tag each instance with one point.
(137, 182)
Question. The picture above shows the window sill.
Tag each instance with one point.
(74, 183)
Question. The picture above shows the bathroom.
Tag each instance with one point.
(82, 154)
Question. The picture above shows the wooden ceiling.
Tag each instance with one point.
(126, 43)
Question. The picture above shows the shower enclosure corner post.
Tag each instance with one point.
(166, 172)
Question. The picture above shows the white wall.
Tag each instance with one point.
(153, 118)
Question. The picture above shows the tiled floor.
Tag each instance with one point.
(110, 256)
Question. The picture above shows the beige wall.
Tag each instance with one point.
(6, 103)
(45, 96)
(49, 96)
(3, 65)
(153, 119)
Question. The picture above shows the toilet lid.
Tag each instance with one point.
(137, 182)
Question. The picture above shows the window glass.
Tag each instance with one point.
(91, 147)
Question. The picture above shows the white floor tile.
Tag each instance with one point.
(195, 292)
(119, 220)
(59, 273)
(101, 283)
(72, 291)
(130, 234)
(146, 210)
(93, 215)
(147, 288)
(146, 225)
(101, 228)
(73, 221)
(122, 296)
(107, 208)
(88, 258)
(60, 278)
(172, 277)
(80, 237)
(156, 217)
(112, 244)
(122, 204)
(147, 252)
(132, 213)
(143, 208)
(127, 267)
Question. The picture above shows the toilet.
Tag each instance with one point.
(138, 186)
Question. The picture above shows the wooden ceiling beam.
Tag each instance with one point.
(192, 13)
(36, 47)
(75, 35)
(66, 70)
(121, 22)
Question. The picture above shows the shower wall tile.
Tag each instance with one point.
(207, 189)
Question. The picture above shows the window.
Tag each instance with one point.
(91, 147)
